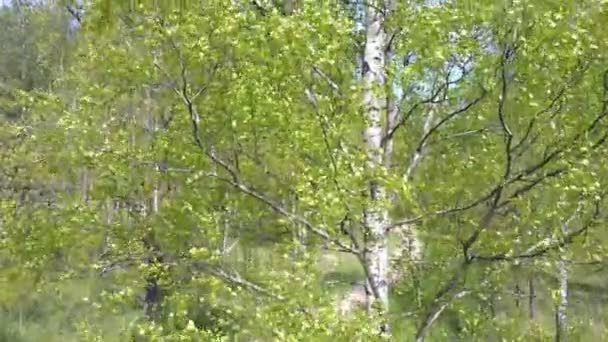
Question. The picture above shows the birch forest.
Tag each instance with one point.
(303, 170)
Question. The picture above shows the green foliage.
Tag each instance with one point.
(188, 173)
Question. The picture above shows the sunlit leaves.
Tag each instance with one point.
(276, 99)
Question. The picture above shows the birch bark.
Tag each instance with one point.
(561, 322)
(375, 215)
(561, 318)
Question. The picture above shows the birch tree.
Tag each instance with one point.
(220, 137)
(376, 261)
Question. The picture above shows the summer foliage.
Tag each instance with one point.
(303, 170)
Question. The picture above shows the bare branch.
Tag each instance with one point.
(319, 231)
(443, 212)
(235, 179)
(508, 135)
(430, 130)
(432, 99)
(327, 79)
(548, 245)
(532, 183)
(419, 151)
(75, 13)
(236, 279)
(539, 249)
(434, 314)
(467, 133)
(259, 7)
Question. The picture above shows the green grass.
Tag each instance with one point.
(54, 313)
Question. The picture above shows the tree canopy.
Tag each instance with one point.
(303, 170)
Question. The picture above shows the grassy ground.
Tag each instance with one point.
(51, 315)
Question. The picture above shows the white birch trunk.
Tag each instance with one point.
(375, 216)
(561, 318)
(156, 198)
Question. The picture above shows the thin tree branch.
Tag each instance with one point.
(434, 314)
(235, 180)
(430, 130)
(74, 13)
(548, 245)
(327, 79)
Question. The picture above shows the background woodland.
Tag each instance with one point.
(303, 170)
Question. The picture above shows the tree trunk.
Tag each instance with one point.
(288, 6)
(561, 318)
(375, 215)
(531, 297)
(561, 323)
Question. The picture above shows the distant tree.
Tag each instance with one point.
(217, 151)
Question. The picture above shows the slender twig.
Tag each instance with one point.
(74, 13)
(547, 245)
